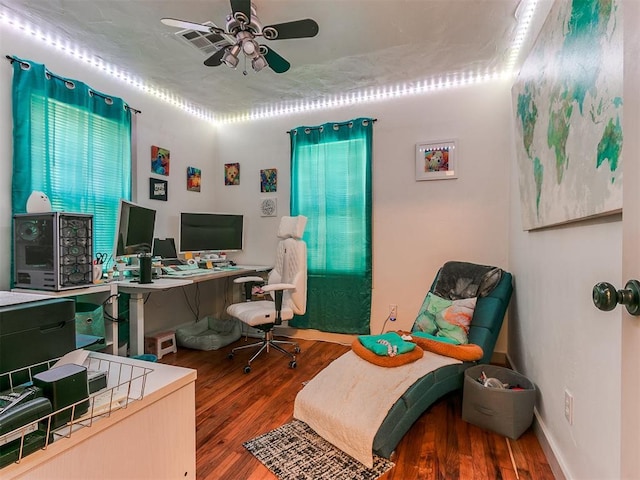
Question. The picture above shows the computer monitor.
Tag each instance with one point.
(134, 233)
(164, 248)
(210, 232)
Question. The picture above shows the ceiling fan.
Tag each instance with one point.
(239, 36)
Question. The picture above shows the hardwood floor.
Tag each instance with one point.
(232, 407)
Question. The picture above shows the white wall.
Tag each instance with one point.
(417, 226)
(559, 340)
(6, 149)
(190, 140)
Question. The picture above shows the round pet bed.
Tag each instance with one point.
(209, 334)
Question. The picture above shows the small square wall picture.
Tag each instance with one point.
(269, 180)
(194, 176)
(436, 160)
(232, 174)
(160, 159)
(158, 189)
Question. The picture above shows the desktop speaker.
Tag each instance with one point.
(65, 386)
(52, 251)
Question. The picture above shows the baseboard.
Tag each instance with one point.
(311, 334)
(541, 434)
(547, 449)
(500, 358)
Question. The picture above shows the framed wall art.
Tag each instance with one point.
(194, 176)
(158, 189)
(232, 174)
(269, 180)
(436, 160)
(269, 207)
(569, 118)
(160, 160)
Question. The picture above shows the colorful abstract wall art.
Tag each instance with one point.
(269, 180)
(160, 160)
(194, 176)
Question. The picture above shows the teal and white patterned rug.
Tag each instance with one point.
(295, 452)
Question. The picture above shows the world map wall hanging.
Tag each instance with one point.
(568, 108)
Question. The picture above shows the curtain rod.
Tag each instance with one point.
(14, 59)
(374, 120)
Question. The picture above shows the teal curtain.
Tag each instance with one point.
(72, 143)
(331, 185)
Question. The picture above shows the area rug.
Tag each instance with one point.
(295, 452)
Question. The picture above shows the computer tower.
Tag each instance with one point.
(53, 250)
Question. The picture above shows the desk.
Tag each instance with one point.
(137, 291)
(136, 302)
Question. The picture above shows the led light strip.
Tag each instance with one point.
(524, 15)
(368, 95)
(79, 54)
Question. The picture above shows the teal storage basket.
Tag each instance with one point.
(90, 321)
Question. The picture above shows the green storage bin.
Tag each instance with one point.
(506, 411)
(90, 321)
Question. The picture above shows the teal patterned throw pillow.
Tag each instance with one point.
(445, 318)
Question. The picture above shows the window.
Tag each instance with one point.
(331, 186)
(72, 143)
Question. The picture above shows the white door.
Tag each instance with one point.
(630, 393)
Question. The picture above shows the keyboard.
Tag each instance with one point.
(184, 271)
(181, 267)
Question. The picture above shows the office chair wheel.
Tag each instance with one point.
(230, 356)
(296, 350)
(247, 369)
(293, 364)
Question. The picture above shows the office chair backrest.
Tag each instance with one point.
(291, 262)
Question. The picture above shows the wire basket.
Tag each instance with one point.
(125, 383)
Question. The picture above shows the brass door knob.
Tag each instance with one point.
(606, 297)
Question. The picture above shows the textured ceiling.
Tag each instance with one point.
(361, 44)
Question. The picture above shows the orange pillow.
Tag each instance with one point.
(385, 361)
(467, 353)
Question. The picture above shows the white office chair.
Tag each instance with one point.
(287, 286)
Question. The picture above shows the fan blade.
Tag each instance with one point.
(215, 59)
(174, 22)
(275, 61)
(296, 29)
(243, 7)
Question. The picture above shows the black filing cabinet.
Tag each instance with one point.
(35, 331)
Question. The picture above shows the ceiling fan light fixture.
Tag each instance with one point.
(250, 47)
(258, 63)
(230, 61)
(242, 28)
(231, 57)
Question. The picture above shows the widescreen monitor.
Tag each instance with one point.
(134, 233)
(210, 232)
